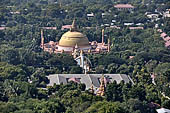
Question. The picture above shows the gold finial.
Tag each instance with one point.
(42, 34)
(89, 51)
(73, 26)
(102, 30)
(102, 36)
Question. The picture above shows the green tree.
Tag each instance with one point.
(105, 107)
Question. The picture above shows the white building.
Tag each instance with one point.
(122, 7)
(163, 110)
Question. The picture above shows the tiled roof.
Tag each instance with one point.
(87, 79)
(130, 57)
(159, 30)
(66, 27)
(167, 38)
(135, 27)
(167, 44)
(163, 34)
(124, 6)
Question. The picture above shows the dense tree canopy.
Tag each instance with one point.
(139, 53)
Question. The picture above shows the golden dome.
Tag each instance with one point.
(71, 38)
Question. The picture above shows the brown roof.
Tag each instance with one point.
(123, 6)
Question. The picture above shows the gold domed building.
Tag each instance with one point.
(74, 40)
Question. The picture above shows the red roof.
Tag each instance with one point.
(3, 28)
(167, 44)
(124, 6)
(66, 27)
(54, 28)
(130, 57)
(167, 38)
(135, 27)
(159, 30)
(163, 34)
(152, 75)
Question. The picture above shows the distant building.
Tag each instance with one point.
(66, 27)
(74, 40)
(135, 28)
(51, 28)
(131, 57)
(152, 16)
(113, 21)
(163, 110)
(167, 44)
(166, 38)
(163, 35)
(88, 79)
(139, 24)
(90, 15)
(159, 30)
(113, 26)
(105, 14)
(167, 13)
(128, 24)
(3, 28)
(16, 12)
(122, 7)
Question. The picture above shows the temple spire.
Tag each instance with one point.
(42, 39)
(101, 91)
(102, 36)
(92, 89)
(73, 26)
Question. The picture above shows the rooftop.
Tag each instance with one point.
(66, 27)
(87, 79)
(163, 110)
(163, 34)
(167, 38)
(123, 6)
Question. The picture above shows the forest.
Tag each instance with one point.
(24, 66)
